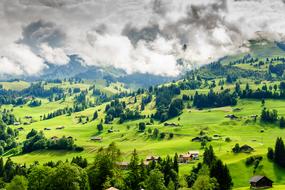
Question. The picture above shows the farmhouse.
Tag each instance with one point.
(17, 123)
(257, 182)
(20, 129)
(189, 156)
(99, 139)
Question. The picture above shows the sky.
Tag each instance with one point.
(144, 36)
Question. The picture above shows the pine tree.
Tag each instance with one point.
(134, 178)
(1, 167)
(175, 163)
(209, 156)
(282, 122)
(95, 115)
(279, 152)
(222, 174)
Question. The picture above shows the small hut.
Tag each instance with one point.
(60, 127)
(98, 139)
(260, 182)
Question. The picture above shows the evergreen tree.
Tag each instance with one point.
(1, 167)
(270, 154)
(155, 181)
(134, 178)
(175, 163)
(95, 115)
(204, 182)
(222, 174)
(19, 183)
(209, 156)
(100, 127)
(279, 152)
(282, 123)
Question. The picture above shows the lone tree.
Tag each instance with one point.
(141, 126)
(282, 122)
(95, 115)
(100, 127)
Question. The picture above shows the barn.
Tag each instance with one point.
(257, 182)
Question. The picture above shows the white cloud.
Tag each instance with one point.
(18, 59)
(53, 55)
(93, 29)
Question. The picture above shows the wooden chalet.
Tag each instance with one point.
(189, 156)
(260, 182)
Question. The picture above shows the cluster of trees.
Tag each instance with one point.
(114, 110)
(66, 175)
(273, 92)
(190, 83)
(277, 69)
(268, 116)
(11, 97)
(117, 109)
(164, 103)
(211, 174)
(272, 117)
(145, 100)
(58, 112)
(37, 141)
(38, 90)
(213, 99)
(35, 103)
(129, 115)
(8, 117)
(105, 172)
(278, 153)
(7, 137)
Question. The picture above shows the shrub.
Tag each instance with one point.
(162, 135)
(270, 154)
(228, 139)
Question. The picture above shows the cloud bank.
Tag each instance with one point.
(136, 36)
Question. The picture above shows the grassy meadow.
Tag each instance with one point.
(243, 130)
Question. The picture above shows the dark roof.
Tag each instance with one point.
(258, 178)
